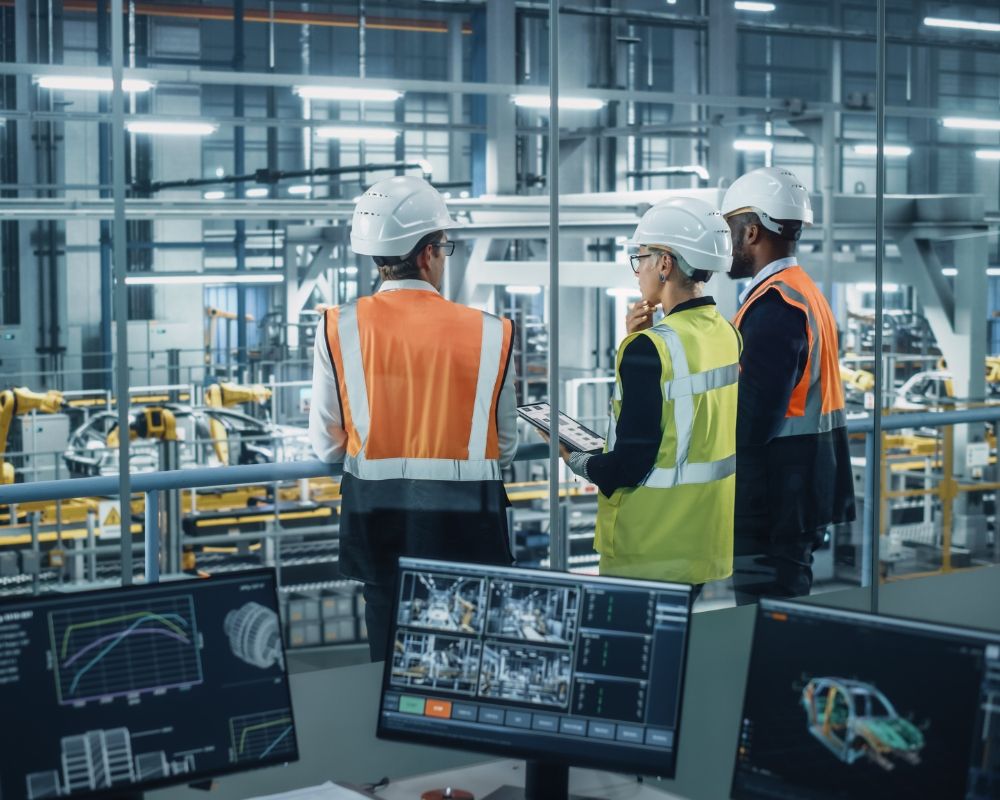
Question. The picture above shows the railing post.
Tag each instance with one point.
(948, 490)
(152, 537)
(559, 541)
(91, 544)
(869, 547)
(36, 552)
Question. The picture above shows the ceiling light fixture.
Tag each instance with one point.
(988, 155)
(201, 278)
(542, 101)
(971, 123)
(72, 83)
(300, 189)
(753, 145)
(214, 195)
(354, 134)
(528, 291)
(746, 5)
(172, 128)
(347, 94)
(257, 192)
(890, 150)
(962, 24)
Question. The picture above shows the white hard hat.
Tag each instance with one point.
(772, 193)
(396, 213)
(689, 228)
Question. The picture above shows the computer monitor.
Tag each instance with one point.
(558, 668)
(841, 705)
(112, 692)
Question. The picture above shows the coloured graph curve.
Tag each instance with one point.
(256, 737)
(125, 649)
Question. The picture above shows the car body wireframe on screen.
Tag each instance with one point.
(855, 720)
(562, 668)
(842, 705)
(145, 686)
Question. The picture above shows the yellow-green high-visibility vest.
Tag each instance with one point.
(677, 525)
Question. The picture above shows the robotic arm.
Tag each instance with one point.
(15, 402)
(227, 395)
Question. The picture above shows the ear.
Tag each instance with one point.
(751, 233)
(669, 264)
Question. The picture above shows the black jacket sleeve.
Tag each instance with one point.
(638, 431)
(775, 351)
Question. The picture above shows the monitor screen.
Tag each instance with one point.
(121, 690)
(845, 705)
(565, 668)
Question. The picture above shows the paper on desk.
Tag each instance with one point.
(325, 791)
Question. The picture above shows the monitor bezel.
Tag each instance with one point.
(124, 790)
(591, 761)
(767, 605)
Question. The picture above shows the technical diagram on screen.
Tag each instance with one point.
(560, 668)
(575, 436)
(845, 705)
(144, 686)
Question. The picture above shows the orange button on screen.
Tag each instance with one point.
(438, 708)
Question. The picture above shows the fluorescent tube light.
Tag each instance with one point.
(200, 278)
(971, 124)
(300, 189)
(256, 191)
(746, 5)
(541, 101)
(347, 94)
(890, 150)
(949, 272)
(988, 155)
(528, 291)
(622, 291)
(870, 287)
(215, 195)
(962, 24)
(347, 133)
(993, 272)
(753, 145)
(72, 83)
(173, 128)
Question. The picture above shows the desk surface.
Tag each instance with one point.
(485, 778)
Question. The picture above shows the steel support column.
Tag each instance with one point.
(120, 250)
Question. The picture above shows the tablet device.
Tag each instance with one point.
(576, 437)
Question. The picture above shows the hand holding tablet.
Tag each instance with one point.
(574, 436)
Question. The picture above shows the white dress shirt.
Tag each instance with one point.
(326, 428)
(771, 269)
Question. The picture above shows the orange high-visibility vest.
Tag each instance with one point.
(419, 379)
(817, 402)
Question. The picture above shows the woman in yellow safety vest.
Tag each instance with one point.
(667, 474)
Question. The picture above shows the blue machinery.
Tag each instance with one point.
(150, 484)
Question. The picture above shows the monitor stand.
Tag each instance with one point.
(543, 780)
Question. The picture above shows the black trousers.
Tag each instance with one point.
(378, 616)
(766, 566)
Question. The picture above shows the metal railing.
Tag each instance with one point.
(152, 482)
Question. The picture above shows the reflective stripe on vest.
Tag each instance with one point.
(805, 414)
(682, 388)
(476, 467)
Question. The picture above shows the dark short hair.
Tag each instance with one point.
(401, 268)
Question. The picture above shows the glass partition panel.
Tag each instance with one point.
(938, 479)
